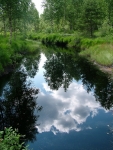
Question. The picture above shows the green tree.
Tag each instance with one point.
(17, 106)
(33, 15)
(11, 140)
(109, 5)
(19, 14)
(56, 71)
(92, 16)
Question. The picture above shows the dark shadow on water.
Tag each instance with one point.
(3, 81)
(63, 65)
(57, 74)
(31, 64)
(18, 106)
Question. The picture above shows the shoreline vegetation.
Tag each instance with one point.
(11, 140)
(98, 50)
(12, 53)
(86, 25)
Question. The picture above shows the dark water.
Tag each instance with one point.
(58, 101)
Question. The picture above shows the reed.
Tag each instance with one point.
(101, 53)
(14, 52)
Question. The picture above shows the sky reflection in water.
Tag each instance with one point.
(66, 112)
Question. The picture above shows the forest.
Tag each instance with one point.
(66, 16)
(84, 24)
(85, 16)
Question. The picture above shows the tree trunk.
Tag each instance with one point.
(10, 24)
(4, 26)
(14, 29)
(10, 28)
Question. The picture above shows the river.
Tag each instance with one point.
(58, 101)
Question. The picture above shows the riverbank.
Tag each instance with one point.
(11, 54)
(98, 50)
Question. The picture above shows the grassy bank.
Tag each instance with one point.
(101, 54)
(10, 54)
(69, 40)
(99, 50)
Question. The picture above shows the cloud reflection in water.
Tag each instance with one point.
(65, 111)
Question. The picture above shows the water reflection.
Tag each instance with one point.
(57, 71)
(66, 111)
(3, 82)
(31, 64)
(62, 67)
(18, 104)
(69, 88)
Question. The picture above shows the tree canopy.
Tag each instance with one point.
(17, 15)
(69, 16)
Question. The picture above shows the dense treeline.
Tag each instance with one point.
(75, 18)
(17, 16)
(86, 16)
(89, 17)
(85, 24)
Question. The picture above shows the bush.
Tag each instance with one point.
(105, 29)
(101, 53)
(10, 140)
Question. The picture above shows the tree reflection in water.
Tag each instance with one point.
(17, 106)
(98, 82)
(31, 64)
(61, 67)
(57, 73)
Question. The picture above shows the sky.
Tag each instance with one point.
(64, 111)
(38, 4)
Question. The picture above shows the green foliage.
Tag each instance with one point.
(5, 53)
(10, 140)
(101, 53)
(81, 18)
(32, 46)
(87, 42)
(13, 53)
(66, 16)
(105, 29)
(70, 40)
(92, 16)
(18, 16)
(25, 46)
(97, 49)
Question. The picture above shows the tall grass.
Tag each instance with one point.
(99, 49)
(12, 53)
(68, 40)
(5, 53)
(101, 53)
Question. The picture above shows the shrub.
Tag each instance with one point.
(101, 53)
(10, 140)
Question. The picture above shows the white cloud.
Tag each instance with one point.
(89, 128)
(38, 4)
(65, 111)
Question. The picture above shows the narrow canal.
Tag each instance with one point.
(58, 101)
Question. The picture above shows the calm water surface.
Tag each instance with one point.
(72, 109)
